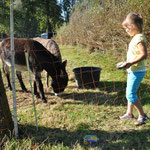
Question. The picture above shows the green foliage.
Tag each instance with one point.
(48, 10)
(30, 17)
(66, 7)
(2, 29)
(5, 17)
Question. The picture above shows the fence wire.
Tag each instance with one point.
(108, 92)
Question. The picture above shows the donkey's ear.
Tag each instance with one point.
(64, 63)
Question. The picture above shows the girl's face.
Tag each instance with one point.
(130, 29)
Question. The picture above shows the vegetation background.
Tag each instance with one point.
(33, 17)
(98, 25)
(89, 33)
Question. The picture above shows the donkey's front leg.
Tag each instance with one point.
(19, 76)
(41, 90)
(35, 90)
(39, 83)
(7, 74)
(47, 79)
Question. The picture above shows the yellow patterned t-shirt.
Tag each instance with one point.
(134, 52)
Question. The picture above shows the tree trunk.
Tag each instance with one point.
(49, 27)
(6, 123)
(50, 35)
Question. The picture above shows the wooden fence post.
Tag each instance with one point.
(6, 123)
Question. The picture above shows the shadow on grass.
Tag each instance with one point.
(107, 93)
(110, 93)
(108, 140)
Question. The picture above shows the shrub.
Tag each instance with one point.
(102, 29)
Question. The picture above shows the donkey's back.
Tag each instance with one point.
(38, 54)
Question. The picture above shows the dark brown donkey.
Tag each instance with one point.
(39, 59)
(51, 46)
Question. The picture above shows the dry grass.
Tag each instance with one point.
(64, 121)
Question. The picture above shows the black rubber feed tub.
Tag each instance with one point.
(87, 77)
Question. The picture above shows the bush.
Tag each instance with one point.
(102, 29)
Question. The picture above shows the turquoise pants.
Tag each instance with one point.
(133, 82)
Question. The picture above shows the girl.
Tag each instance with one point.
(137, 52)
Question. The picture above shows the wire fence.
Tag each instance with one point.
(99, 91)
(101, 86)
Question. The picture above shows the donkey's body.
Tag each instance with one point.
(39, 59)
(52, 47)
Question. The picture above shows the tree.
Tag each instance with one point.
(32, 17)
(66, 7)
(25, 22)
(49, 15)
(6, 123)
(4, 15)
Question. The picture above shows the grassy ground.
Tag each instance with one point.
(64, 121)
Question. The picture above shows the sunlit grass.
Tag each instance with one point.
(64, 121)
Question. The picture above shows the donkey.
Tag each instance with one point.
(39, 59)
(51, 46)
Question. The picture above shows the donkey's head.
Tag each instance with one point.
(60, 81)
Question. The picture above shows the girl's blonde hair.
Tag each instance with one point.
(133, 18)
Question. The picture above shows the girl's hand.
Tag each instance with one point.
(128, 64)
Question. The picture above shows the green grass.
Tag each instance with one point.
(64, 121)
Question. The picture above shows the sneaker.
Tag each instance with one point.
(141, 120)
(145, 117)
(126, 116)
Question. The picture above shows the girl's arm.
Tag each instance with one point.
(143, 49)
